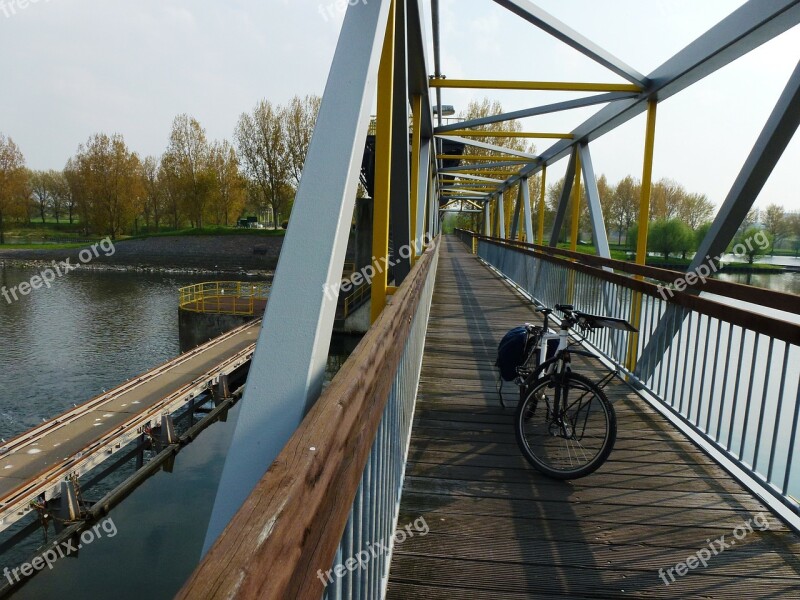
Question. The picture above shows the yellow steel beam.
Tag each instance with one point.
(468, 171)
(644, 224)
(647, 180)
(416, 143)
(576, 205)
(493, 157)
(510, 134)
(383, 172)
(557, 86)
(542, 196)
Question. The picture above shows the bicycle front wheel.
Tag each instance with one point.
(566, 429)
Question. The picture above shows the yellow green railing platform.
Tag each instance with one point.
(226, 297)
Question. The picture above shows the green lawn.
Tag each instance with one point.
(41, 246)
(211, 231)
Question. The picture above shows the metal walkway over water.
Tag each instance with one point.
(35, 466)
(500, 530)
(320, 486)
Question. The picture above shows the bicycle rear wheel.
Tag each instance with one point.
(572, 441)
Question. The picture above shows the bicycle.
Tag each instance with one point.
(564, 422)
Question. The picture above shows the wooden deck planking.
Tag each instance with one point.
(498, 529)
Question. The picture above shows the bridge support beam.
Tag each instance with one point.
(561, 209)
(514, 235)
(383, 166)
(288, 366)
(167, 435)
(501, 214)
(542, 199)
(400, 222)
(574, 229)
(68, 507)
(526, 207)
(599, 233)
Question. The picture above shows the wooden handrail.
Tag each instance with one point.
(776, 328)
(292, 523)
(739, 291)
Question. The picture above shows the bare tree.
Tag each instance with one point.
(187, 158)
(299, 116)
(776, 223)
(695, 209)
(261, 140)
(13, 183)
(61, 195)
(230, 192)
(153, 190)
(42, 184)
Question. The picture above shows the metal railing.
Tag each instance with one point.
(355, 299)
(720, 358)
(333, 492)
(225, 297)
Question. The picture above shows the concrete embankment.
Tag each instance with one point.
(211, 254)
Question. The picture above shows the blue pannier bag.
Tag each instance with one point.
(511, 352)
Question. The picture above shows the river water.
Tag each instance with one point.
(90, 331)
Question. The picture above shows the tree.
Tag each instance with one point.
(746, 243)
(700, 233)
(632, 236)
(752, 218)
(794, 228)
(42, 185)
(74, 184)
(229, 190)
(171, 189)
(670, 236)
(606, 192)
(153, 208)
(110, 184)
(695, 209)
(13, 183)
(61, 196)
(625, 205)
(299, 118)
(665, 199)
(261, 140)
(776, 223)
(188, 161)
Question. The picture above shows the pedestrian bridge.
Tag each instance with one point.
(402, 478)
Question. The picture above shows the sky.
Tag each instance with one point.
(74, 68)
